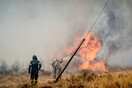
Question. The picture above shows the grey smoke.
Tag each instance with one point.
(116, 37)
(43, 28)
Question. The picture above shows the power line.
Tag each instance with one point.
(97, 17)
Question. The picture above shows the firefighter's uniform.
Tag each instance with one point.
(57, 67)
(34, 67)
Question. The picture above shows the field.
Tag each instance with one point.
(122, 79)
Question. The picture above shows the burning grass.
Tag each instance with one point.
(88, 52)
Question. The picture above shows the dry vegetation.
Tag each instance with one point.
(92, 80)
(85, 80)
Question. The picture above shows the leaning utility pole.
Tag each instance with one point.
(69, 61)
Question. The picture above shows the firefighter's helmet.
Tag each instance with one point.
(55, 59)
(34, 57)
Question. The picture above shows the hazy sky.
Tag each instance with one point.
(44, 27)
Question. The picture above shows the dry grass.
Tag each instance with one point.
(11, 81)
(93, 80)
(85, 80)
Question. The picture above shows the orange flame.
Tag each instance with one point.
(88, 51)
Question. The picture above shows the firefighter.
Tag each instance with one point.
(33, 69)
(57, 67)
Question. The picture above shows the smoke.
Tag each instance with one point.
(116, 32)
(44, 28)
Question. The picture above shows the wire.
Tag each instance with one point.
(97, 18)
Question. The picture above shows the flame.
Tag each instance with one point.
(88, 52)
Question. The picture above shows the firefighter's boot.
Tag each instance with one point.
(36, 82)
(31, 81)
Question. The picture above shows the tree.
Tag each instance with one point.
(3, 67)
(16, 66)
